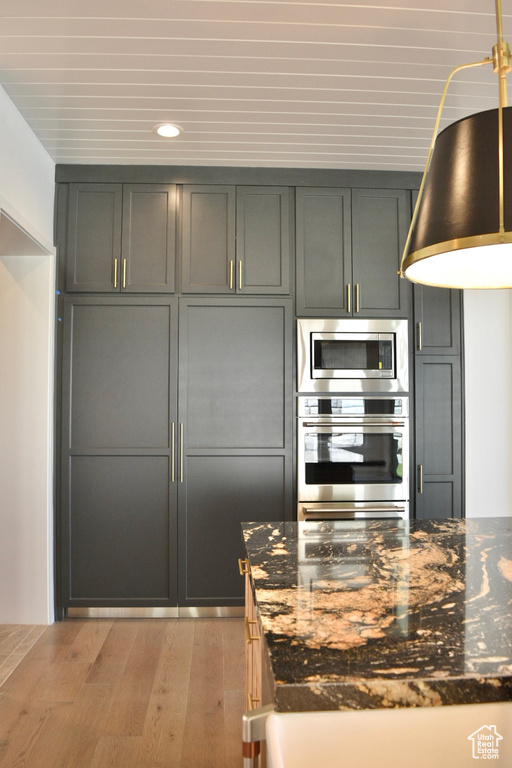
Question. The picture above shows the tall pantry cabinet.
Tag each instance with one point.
(176, 420)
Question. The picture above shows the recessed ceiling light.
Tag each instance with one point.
(167, 130)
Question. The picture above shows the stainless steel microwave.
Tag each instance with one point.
(352, 355)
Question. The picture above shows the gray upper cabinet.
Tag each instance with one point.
(121, 237)
(263, 240)
(437, 320)
(149, 238)
(349, 247)
(380, 220)
(236, 239)
(323, 248)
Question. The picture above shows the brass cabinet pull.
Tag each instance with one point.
(181, 453)
(252, 700)
(357, 297)
(115, 272)
(240, 285)
(231, 275)
(420, 340)
(172, 452)
(243, 566)
(349, 291)
(248, 637)
(420, 478)
(124, 273)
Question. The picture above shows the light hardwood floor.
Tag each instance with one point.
(127, 694)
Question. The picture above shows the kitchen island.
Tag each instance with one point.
(381, 614)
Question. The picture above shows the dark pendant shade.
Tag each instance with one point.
(456, 240)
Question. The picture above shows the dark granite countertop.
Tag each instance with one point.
(363, 615)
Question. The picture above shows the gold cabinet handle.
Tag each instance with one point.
(252, 700)
(181, 453)
(240, 285)
(172, 452)
(248, 637)
(116, 266)
(357, 297)
(349, 291)
(420, 339)
(420, 478)
(231, 266)
(124, 273)
(243, 566)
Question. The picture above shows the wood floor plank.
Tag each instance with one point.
(116, 752)
(162, 738)
(89, 640)
(83, 727)
(23, 743)
(113, 655)
(137, 694)
(234, 708)
(23, 681)
(7, 665)
(205, 710)
(63, 682)
(11, 636)
(207, 631)
(62, 632)
(128, 711)
(233, 644)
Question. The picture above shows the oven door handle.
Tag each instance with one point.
(345, 514)
(346, 424)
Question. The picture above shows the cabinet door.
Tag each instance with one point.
(208, 239)
(263, 240)
(149, 238)
(220, 492)
(118, 499)
(236, 401)
(438, 320)
(439, 443)
(119, 531)
(379, 229)
(324, 271)
(94, 237)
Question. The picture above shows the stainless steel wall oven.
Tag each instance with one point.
(353, 457)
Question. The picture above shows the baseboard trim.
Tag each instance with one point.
(157, 612)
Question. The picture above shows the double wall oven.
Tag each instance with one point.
(353, 419)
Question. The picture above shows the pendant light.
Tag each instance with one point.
(461, 229)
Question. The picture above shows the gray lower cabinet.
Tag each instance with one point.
(438, 436)
(349, 248)
(236, 239)
(118, 492)
(121, 238)
(236, 399)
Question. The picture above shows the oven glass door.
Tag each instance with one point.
(352, 462)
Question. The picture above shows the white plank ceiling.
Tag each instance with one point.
(268, 83)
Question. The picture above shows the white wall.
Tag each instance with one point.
(26, 380)
(488, 368)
